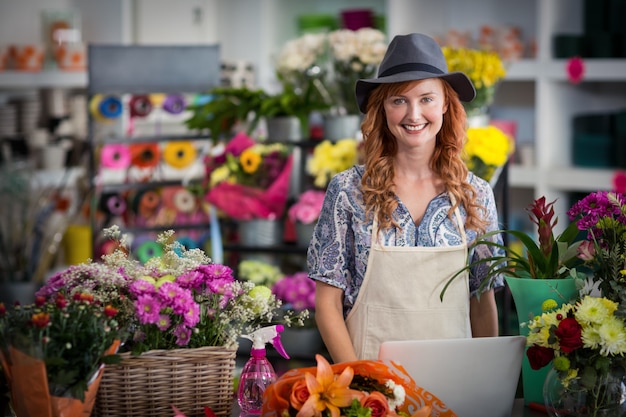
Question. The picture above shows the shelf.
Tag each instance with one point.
(42, 79)
(563, 179)
(149, 139)
(595, 70)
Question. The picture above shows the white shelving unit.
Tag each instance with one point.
(536, 86)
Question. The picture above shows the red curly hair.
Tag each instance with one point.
(380, 147)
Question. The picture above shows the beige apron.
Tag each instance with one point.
(399, 297)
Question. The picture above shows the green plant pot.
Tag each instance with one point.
(528, 295)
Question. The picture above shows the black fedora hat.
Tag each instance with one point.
(414, 57)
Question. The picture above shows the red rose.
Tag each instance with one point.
(539, 356)
(569, 334)
(299, 394)
(377, 402)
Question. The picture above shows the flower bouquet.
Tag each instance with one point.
(354, 54)
(585, 342)
(331, 158)
(486, 151)
(307, 208)
(259, 272)
(484, 68)
(53, 352)
(602, 215)
(296, 291)
(249, 180)
(360, 388)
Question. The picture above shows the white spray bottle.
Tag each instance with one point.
(258, 373)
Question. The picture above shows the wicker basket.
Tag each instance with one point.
(149, 384)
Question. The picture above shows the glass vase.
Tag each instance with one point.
(607, 398)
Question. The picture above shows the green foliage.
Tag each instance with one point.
(228, 106)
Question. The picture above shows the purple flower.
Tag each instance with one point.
(142, 286)
(164, 322)
(183, 334)
(148, 308)
(192, 315)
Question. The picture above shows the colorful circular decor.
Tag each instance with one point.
(140, 106)
(145, 155)
(105, 108)
(148, 250)
(187, 242)
(115, 156)
(184, 201)
(174, 104)
(179, 154)
(116, 205)
(149, 201)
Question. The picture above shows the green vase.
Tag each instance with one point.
(528, 295)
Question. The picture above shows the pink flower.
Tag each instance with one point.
(308, 207)
(619, 182)
(586, 251)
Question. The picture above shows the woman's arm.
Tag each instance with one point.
(331, 324)
(484, 315)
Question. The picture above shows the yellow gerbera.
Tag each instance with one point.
(250, 161)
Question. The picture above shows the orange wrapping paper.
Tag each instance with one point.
(30, 395)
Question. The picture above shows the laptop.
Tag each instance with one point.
(474, 377)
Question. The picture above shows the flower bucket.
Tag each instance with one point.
(284, 129)
(304, 232)
(341, 127)
(261, 232)
(149, 384)
(30, 394)
(528, 295)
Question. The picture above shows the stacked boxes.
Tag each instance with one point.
(600, 140)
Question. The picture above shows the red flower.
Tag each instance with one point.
(110, 311)
(3, 309)
(40, 320)
(569, 334)
(539, 356)
(88, 298)
(377, 402)
(542, 215)
(40, 300)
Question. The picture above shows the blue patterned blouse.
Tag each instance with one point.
(340, 245)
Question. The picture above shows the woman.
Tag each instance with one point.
(394, 230)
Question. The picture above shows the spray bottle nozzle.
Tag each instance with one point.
(270, 334)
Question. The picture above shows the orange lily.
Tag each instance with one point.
(326, 391)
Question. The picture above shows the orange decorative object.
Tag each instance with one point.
(280, 397)
(4, 57)
(72, 56)
(27, 57)
(145, 155)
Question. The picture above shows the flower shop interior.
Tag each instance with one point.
(224, 120)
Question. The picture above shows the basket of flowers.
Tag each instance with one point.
(184, 316)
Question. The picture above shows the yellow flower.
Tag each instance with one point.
(327, 392)
(250, 161)
(486, 149)
(549, 304)
(219, 174)
(484, 68)
(331, 158)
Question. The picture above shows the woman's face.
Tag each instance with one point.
(415, 115)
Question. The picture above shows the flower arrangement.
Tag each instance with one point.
(602, 215)
(354, 54)
(255, 175)
(331, 158)
(360, 388)
(308, 207)
(56, 348)
(551, 257)
(181, 299)
(585, 342)
(485, 69)
(296, 291)
(486, 150)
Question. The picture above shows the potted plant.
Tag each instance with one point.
(225, 108)
(53, 352)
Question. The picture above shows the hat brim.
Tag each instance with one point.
(457, 80)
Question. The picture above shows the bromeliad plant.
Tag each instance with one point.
(551, 257)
